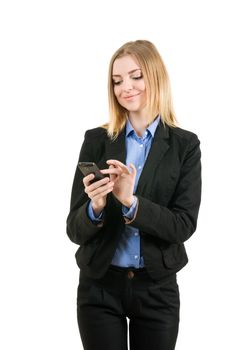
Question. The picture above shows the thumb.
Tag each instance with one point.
(133, 168)
(112, 176)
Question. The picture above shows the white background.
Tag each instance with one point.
(53, 80)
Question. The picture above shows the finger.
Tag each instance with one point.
(112, 176)
(134, 171)
(118, 163)
(98, 192)
(87, 179)
(93, 186)
(103, 193)
(112, 170)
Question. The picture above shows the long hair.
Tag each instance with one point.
(156, 79)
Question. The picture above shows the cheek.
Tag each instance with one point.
(141, 86)
(144, 94)
(116, 91)
(143, 90)
(143, 98)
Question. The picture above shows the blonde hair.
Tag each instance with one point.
(156, 79)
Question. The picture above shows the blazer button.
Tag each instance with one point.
(130, 275)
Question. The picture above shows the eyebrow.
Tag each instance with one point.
(132, 71)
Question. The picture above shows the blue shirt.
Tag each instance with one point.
(137, 149)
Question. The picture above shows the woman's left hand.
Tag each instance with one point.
(123, 179)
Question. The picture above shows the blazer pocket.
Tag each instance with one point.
(174, 256)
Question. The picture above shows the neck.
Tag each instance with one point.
(139, 122)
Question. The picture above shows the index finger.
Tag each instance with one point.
(115, 171)
(118, 163)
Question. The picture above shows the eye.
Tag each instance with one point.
(137, 77)
(118, 82)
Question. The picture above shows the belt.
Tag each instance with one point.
(118, 279)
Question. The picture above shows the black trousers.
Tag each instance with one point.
(104, 305)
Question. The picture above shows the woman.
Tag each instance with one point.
(131, 225)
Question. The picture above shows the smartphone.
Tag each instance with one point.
(91, 168)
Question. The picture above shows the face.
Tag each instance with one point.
(128, 82)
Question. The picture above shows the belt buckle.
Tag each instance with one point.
(130, 274)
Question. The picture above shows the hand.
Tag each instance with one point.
(98, 191)
(123, 179)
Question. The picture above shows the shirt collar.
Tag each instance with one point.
(151, 128)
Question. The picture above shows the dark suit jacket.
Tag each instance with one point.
(169, 192)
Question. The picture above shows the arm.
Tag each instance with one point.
(130, 213)
(177, 222)
(80, 227)
(95, 218)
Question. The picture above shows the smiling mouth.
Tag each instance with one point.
(131, 96)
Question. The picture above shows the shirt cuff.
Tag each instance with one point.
(92, 216)
(130, 212)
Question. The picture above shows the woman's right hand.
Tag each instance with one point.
(98, 191)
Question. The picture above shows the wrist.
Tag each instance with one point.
(97, 209)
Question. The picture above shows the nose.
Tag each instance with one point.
(127, 85)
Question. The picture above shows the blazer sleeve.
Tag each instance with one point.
(79, 226)
(177, 222)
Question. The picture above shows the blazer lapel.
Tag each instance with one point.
(116, 149)
(158, 149)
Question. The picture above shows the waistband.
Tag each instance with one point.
(118, 279)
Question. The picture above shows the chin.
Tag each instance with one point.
(133, 108)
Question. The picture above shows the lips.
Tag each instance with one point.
(130, 96)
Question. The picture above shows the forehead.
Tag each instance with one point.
(124, 65)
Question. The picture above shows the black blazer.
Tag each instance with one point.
(169, 193)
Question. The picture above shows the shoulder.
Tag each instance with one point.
(185, 144)
(94, 138)
(183, 136)
(94, 143)
(94, 134)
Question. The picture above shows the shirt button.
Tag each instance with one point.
(136, 234)
(141, 145)
(136, 256)
(140, 167)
